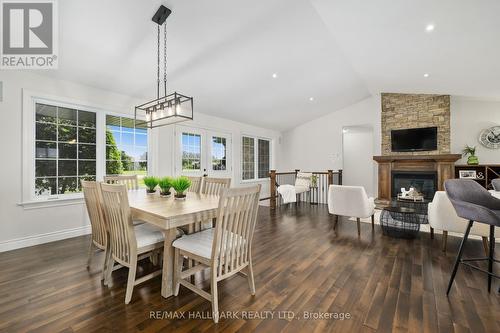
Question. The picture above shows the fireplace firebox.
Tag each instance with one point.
(423, 181)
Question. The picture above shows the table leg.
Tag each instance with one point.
(167, 277)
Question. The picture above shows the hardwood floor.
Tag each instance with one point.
(300, 264)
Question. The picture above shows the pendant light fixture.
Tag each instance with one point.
(166, 109)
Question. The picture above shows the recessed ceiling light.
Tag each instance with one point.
(426, 75)
(429, 27)
(275, 75)
(311, 99)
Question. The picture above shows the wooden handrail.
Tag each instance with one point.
(273, 195)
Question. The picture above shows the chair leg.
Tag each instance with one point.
(359, 226)
(105, 264)
(177, 271)
(111, 263)
(336, 217)
(490, 256)
(445, 240)
(459, 256)
(130, 281)
(373, 222)
(485, 245)
(91, 253)
(215, 301)
(251, 281)
(432, 233)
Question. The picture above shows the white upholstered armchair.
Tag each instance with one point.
(442, 216)
(350, 201)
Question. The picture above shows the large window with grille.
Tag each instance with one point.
(256, 158)
(191, 151)
(126, 147)
(65, 149)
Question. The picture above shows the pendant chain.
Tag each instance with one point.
(165, 57)
(158, 67)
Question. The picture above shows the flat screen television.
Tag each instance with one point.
(414, 139)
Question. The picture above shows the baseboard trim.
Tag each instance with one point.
(19, 243)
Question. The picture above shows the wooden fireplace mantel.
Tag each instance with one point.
(443, 165)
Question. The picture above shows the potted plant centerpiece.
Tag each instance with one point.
(180, 186)
(471, 152)
(151, 183)
(165, 184)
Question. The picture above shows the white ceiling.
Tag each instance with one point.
(223, 52)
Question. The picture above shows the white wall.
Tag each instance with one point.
(317, 145)
(24, 226)
(357, 149)
(468, 118)
(235, 129)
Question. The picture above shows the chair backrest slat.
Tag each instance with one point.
(236, 219)
(119, 218)
(92, 196)
(195, 184)
(131, 181)
(213, 186)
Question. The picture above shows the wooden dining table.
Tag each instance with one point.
(169, 214)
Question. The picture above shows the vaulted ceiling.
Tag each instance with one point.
(224, 52)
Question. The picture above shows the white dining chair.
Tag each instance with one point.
(213, 186)
(131, 181)
(195, 184)
(99, 234)
(225, 249)
(128, 243)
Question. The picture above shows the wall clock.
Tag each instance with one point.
(490, 137)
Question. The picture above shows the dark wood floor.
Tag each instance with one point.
(384, 284)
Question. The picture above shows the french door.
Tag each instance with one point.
(202, 152)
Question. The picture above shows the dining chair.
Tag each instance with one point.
(99, 235)
(213, 186)
(225, 249)
(128, 243)
(475, 204)
(195, 184)
(131, 181)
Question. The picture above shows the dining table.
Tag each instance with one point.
(168, 214)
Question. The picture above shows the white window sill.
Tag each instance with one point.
(48, 203)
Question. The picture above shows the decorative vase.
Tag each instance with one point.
(472, 160)
(165, 194)
(180, 196)
(148, 191)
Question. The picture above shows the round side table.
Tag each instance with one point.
(400, 222)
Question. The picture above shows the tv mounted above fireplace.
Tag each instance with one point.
(414, 139)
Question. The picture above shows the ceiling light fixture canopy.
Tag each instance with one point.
(169, 108)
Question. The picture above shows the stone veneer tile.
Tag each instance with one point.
(402, 111)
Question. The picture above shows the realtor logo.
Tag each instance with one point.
(29, 34)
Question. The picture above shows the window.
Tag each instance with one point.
(65, 149)
(263, 158)
(219, 158)
(191, 152)
(126, 147)
(248, 160)
(256, 157)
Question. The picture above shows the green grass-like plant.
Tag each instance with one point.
(165, 184)
(180, 185)
(151, 183)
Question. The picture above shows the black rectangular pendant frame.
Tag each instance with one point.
(161, 15)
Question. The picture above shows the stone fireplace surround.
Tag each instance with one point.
(403, 111)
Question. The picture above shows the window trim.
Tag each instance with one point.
(256, 157)
(29, 100)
